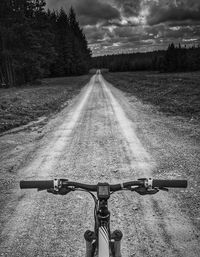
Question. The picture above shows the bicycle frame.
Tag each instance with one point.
(101, 242)
(103, 228)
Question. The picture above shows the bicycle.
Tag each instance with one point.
(101, 242)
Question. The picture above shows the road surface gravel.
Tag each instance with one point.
(102, 135)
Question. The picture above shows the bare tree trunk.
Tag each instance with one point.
(7, 68)
(8, 74)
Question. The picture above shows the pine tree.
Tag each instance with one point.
(81, 53)
(35, 43)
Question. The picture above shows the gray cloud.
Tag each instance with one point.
(89, 12)
(129, 7)
(57, 4)
(96, 35)
(114, 25)
(174, 11)
(93, 12)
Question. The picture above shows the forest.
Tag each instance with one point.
(37, 43)
(174, 59)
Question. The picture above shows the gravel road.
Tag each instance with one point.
(102, 135)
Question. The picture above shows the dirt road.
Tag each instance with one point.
(100, 136)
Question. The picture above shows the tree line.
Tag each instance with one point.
(35, 43)
(174, 59)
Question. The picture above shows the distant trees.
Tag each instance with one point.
(172, 60)
(35, 43)
(181, 59)
(129, 62)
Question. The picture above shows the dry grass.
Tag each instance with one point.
(176, 93)
(18, 106)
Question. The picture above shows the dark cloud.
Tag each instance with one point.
(174, 11)
(92, 8)
(119, 23)
(93, 34)
(89, 12)
(94, 12)
(129, 7)
(57, 4)
(113, 26)
(126, 32)
(96, 35)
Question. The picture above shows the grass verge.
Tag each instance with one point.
(174, 93)
(19, 106)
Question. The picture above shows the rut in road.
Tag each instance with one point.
(93, 140)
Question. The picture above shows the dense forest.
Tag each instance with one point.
(174, 59)
(35, 43)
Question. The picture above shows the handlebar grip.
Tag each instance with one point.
(169, 183)
(41, 184)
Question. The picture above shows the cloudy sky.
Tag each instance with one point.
(115, 26)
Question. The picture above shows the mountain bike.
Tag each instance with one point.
(101, 242)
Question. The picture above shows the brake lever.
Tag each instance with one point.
(164, 189)
(40, 189)
(145, 191)
(61, 191)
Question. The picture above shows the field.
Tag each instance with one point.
(173, 93)
(19, 106)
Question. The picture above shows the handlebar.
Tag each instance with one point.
(56, 184)
(169, 183)
(47, 184)
(40, 184)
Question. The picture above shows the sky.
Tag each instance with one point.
(126, 26)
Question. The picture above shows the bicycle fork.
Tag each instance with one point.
(114, 243)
